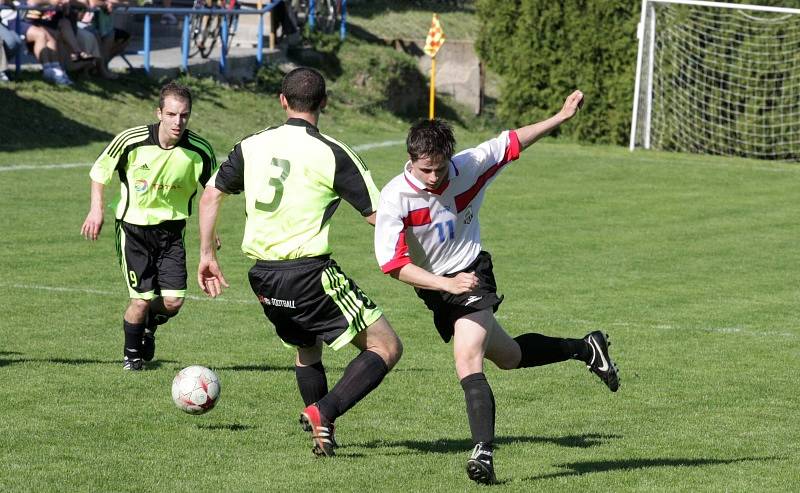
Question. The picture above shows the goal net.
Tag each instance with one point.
(718, 78)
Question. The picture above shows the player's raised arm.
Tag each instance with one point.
(94, 219)
(209, 275)
(529, 134)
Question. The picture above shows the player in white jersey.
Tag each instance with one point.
(428, 235)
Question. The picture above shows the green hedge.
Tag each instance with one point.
(544, 49)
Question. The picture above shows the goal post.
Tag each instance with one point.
(718, 78)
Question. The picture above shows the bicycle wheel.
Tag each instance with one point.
(328, 14)
(212, 32)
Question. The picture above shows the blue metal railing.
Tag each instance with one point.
(187, 14)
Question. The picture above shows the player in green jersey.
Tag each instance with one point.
(159, 168)
(293, 178)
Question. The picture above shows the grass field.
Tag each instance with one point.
(689, 262)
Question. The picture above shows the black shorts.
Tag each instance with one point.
(312, 298)
(153, 258)
(447, 308)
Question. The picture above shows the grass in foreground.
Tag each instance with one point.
(688, 262)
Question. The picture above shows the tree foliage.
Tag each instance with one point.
(543, 50)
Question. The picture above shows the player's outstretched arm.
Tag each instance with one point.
(209, 275)
(94, 220)
(531, 133)
(421, 278)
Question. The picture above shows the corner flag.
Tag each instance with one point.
(433, 42)
(435, 37)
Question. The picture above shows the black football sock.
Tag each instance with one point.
(360, 377)
(312, 382)
(480, 407)
(133, 339)
(538, 350)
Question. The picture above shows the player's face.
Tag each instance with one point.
(432, 171)
(174, 118)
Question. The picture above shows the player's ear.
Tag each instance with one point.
(158, 113)
(284, 103)
(323, 103)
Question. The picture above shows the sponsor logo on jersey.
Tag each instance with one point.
(468, 214)
(164, 186)
(140, 185)
(472, 299)
(275, 302)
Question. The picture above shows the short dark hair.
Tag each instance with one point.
(175, 90)
(304, 89)
(428, 138)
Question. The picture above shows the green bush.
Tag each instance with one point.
(543, 50)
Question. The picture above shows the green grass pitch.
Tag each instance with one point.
(689, 263)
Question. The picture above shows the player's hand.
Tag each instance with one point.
(463, 282)
(92, 225)
(573, 103)
(210, 278)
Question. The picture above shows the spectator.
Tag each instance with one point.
(42, 43)
(10, 42)
(113, 41)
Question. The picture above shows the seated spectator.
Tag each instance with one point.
(10, 44)
(59, 20)
(42, 43)
(113, 41)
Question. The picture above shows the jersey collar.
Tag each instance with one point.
(418, 186)
(299, 122)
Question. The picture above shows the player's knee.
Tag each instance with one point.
(173, 305)
(506, 363)
(390, 348)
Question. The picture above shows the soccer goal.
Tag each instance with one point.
(718, 78)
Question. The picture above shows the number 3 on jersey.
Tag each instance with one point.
(275, 185)
(451, 230)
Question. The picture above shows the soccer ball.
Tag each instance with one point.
(195, 389)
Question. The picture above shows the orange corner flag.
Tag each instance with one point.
(435, 38)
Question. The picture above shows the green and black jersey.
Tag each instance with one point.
(293, 178)
(157, 184)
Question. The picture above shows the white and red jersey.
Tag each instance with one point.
(439, 230)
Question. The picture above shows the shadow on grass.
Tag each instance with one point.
(78, 361)
(445, 446)
(42, 126)
(255, 368)
(226, 427)
(588, 467)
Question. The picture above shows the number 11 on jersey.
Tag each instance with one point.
(451, 230)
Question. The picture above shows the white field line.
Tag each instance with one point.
(29, 167)
(59, 289)
(26, 167)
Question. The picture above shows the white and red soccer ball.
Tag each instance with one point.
(195, 389)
